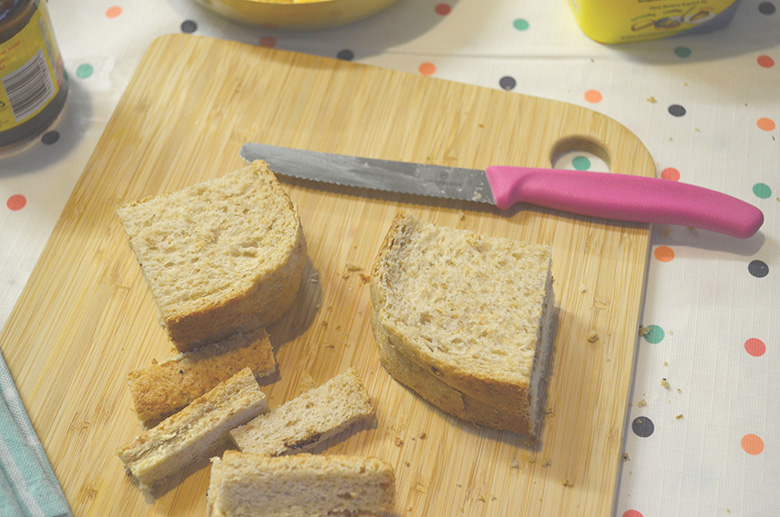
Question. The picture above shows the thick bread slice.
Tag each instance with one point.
(245, 484)
(194, 432)
(300, 424)
(465, 320)
(220, 256)
(161, 389)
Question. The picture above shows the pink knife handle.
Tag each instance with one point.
(624, 197)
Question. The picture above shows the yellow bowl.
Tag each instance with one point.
(296, 14)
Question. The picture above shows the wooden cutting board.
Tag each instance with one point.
(86, 318)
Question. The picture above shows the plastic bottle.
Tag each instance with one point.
(624, 21)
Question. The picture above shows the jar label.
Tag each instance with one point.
(624, 21)
(31, 71)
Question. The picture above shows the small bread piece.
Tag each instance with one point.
(465, 320)
(246, 484)
(161, 389)
(194, 432)
(220, 256)
(311, 418)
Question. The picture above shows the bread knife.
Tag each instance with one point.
(598, 194)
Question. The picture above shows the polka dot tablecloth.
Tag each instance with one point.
(703, 427)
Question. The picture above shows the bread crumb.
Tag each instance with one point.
(461, 215)
(567, 483)
(407, 463)
(154, 360)
(679, 390)
(307, 382)
(422, 435)
(458, 485)
(641, 403)
(651, 100)
(548, 411)
(398, 442)
(626, 457)
(481, 498)
(665, 383)
(643, 331)
(678, 417)
(582, 288)
(513, 463)
(351, 266)
(593, 336)
(532, 459)
(365, 278)
(547, 462)
(666, 363)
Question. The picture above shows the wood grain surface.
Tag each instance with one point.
(86, 318)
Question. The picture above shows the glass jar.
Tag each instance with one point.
(33, 81)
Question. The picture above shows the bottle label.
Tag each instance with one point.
(610, 21)
(31, 71)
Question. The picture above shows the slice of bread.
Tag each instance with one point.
(307, 420)
(220, 256)
(246, 484)
(465, 320)
(195, 432)
(161, 389)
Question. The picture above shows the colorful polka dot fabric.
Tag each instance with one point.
(702, 432)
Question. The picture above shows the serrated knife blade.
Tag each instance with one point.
(599, 194)
(390, 176)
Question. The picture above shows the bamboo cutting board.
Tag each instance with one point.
(86, 318)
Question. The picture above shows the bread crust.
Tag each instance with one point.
(299, 485)
(301, 424)
(161, 389)
(194, 432)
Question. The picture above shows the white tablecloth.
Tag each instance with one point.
(703, 429)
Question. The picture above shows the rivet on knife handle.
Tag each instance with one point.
(624, 197)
